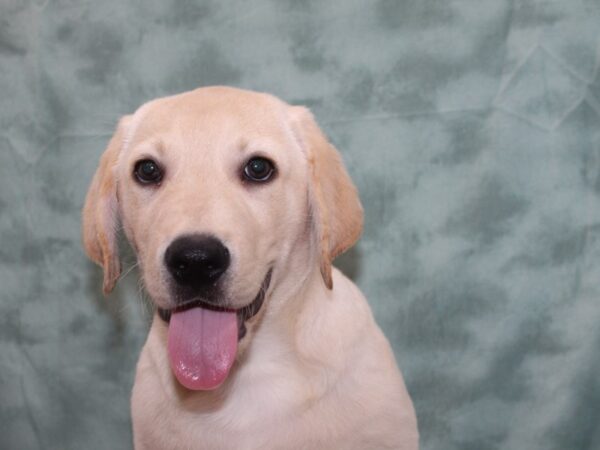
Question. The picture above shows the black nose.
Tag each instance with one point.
(196, 261)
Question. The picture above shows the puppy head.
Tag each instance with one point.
(223, 194)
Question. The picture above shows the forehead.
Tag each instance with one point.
(214, 115)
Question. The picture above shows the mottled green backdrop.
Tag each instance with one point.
(472, 129)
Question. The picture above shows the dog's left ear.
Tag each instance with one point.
(335, 205)
(100, 212)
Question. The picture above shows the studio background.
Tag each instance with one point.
(471, 128)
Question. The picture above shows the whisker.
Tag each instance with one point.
(133, 266)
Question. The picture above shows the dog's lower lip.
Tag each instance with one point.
(243, 314)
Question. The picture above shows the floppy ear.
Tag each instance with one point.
(335, 205)
(100, 213)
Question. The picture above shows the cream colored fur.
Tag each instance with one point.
(314, 371)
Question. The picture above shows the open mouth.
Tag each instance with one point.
(202, 339)
(243, 314)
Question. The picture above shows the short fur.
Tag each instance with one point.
(313, 371)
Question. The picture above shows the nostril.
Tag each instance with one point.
(197, 260)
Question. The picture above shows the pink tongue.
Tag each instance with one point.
(202, 346)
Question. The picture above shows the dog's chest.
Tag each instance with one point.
(279, 412)
(254, 428)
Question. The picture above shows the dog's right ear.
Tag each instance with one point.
(100, 212)
(336, 211)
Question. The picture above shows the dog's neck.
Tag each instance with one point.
(291, 333)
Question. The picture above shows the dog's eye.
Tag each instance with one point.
(258, 169)
(147, 171)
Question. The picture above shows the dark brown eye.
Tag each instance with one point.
(258, 169)
(147, 171)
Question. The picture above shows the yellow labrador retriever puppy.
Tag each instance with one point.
(236, 204)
